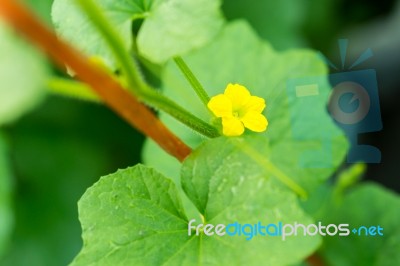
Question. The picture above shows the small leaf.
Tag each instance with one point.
(178, 26)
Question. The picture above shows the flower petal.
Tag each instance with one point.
(231, 126)
(255, 121)
(220, 105)
(238, 94)
(255, 104)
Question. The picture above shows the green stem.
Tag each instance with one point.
(194, 82)
(157, 100)
(141, 89)
(72, 88)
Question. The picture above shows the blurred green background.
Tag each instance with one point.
(63, 146)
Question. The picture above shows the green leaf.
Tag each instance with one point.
(169, 28)
(22, 73)
(367, 205)
(178, 26)
(6, 217)
(134, 217)
(227, 185)
(141, 220)
(303, 142)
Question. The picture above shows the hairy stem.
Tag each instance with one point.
(141, 89)
(194, 82)
(105, 86)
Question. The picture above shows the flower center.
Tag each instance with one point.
(238, 113)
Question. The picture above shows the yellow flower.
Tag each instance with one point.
(238, 109)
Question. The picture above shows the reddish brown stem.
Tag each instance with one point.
(110, 91)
